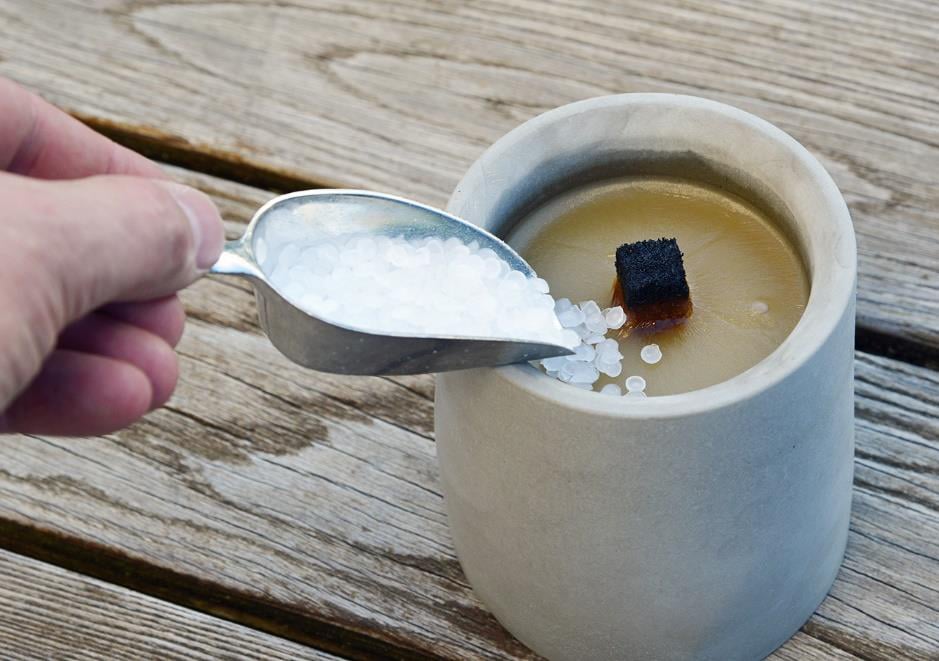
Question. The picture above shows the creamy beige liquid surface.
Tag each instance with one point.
(736, 261)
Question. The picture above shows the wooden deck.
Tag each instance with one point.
(273, 512)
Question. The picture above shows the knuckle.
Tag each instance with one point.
(172, 231)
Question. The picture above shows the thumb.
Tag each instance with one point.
(113, 238)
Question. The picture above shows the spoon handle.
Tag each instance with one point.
(235, 261)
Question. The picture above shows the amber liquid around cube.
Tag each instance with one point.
(748, 285)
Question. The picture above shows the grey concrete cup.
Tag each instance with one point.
(704, 525)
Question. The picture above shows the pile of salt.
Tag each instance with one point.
(429, 286)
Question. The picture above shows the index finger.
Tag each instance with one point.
(39, 140)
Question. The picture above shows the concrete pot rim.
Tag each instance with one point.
(832, 276)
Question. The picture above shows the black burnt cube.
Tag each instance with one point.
(651, 281)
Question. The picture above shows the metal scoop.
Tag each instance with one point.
(326, 345)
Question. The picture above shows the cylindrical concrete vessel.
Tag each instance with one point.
(705, 525)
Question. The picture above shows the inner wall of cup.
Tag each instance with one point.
(558, 177)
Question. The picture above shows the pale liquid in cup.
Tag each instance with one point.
(748, 285)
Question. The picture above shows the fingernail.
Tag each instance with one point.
(204, 219)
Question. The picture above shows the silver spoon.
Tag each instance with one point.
(323, 344)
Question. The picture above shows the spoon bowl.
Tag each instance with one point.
(324, 344)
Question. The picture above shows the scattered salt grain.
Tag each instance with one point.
(759, 307)
(651, 353)
(569, 338)
(609, 349)
(594, 352)
(615, 317)
(590, 307)
(635, 384)
(554, 364)
(595, 323)
(584, 352)
(571, 317)
(582, 331)
(583, 373)
(611, 368)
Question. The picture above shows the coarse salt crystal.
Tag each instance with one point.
(651, 354)
(590, 307)
(571, 317)
(635, 384)
(759, 307)
(583, 372)
(584, 352)
(540, 285)
(555, 363)
(612, 368)
(594, 322)
(614, 317)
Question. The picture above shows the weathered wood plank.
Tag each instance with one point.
(308, 504)
(49, 613)
(403, 96)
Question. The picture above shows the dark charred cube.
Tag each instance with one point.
(652, 282)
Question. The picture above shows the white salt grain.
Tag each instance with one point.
(562, 304)
(582, 331)
(554, 364)
(583, 372)
(540, 285)
(594, 352)
(635, 384)
(594, 320)
(569, 338)
(615, 317)
(584, 352)
(651, 353)
(609, 349)
(571, 317)
(590, 307)
(611, 368)
(759, 307)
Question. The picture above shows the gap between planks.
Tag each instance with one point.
(49, 612)
(101, 563)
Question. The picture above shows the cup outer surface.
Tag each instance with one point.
(705, 525)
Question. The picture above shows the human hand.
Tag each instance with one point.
(94, 243)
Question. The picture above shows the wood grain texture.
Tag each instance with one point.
(402, 96)
(49, 613)
(307, 504)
